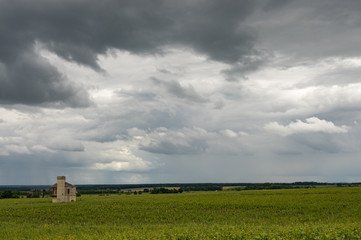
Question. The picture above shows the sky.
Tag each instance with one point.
(191, 91)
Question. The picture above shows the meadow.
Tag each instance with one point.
(318, 213)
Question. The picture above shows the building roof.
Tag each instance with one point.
(66, 185)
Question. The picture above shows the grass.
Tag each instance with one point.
(319, 213)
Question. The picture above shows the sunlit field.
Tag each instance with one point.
(319, 213)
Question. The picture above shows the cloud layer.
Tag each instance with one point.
(179, 91)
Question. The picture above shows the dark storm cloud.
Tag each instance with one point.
(310, 30)
(31, 79)
(25, 76)
(81, 30)
(248, 65)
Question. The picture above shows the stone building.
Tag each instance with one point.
(63, 191)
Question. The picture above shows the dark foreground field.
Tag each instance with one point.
(320, 213)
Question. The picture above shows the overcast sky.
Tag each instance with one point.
(180, 91)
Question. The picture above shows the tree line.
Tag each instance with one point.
(21, 194)
(165, 190)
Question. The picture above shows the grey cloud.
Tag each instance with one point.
(65, 144)
(275, 4)
(165, 71)
(310, 30)
(321, 142)
(311, 144)
(172, 142)
(137, 95)
(219, 104)
(190, 141)
(170, 148)
(45, 167)
(174, 88)
(111, 125)
(339, 76)
(288, 152)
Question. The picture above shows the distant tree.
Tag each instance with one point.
(165, 190)
(34, 194)
(7, 194)
(37, 194)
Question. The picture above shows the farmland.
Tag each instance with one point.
(318, 213)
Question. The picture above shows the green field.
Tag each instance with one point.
(319, 213)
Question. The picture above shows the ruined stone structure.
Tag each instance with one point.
(63, 191)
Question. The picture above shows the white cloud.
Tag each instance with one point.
(135, 132)
(229, 133)
(312, 124)
(40, 148)
(137, 165)
(115, 156)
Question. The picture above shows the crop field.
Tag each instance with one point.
(319, 213)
